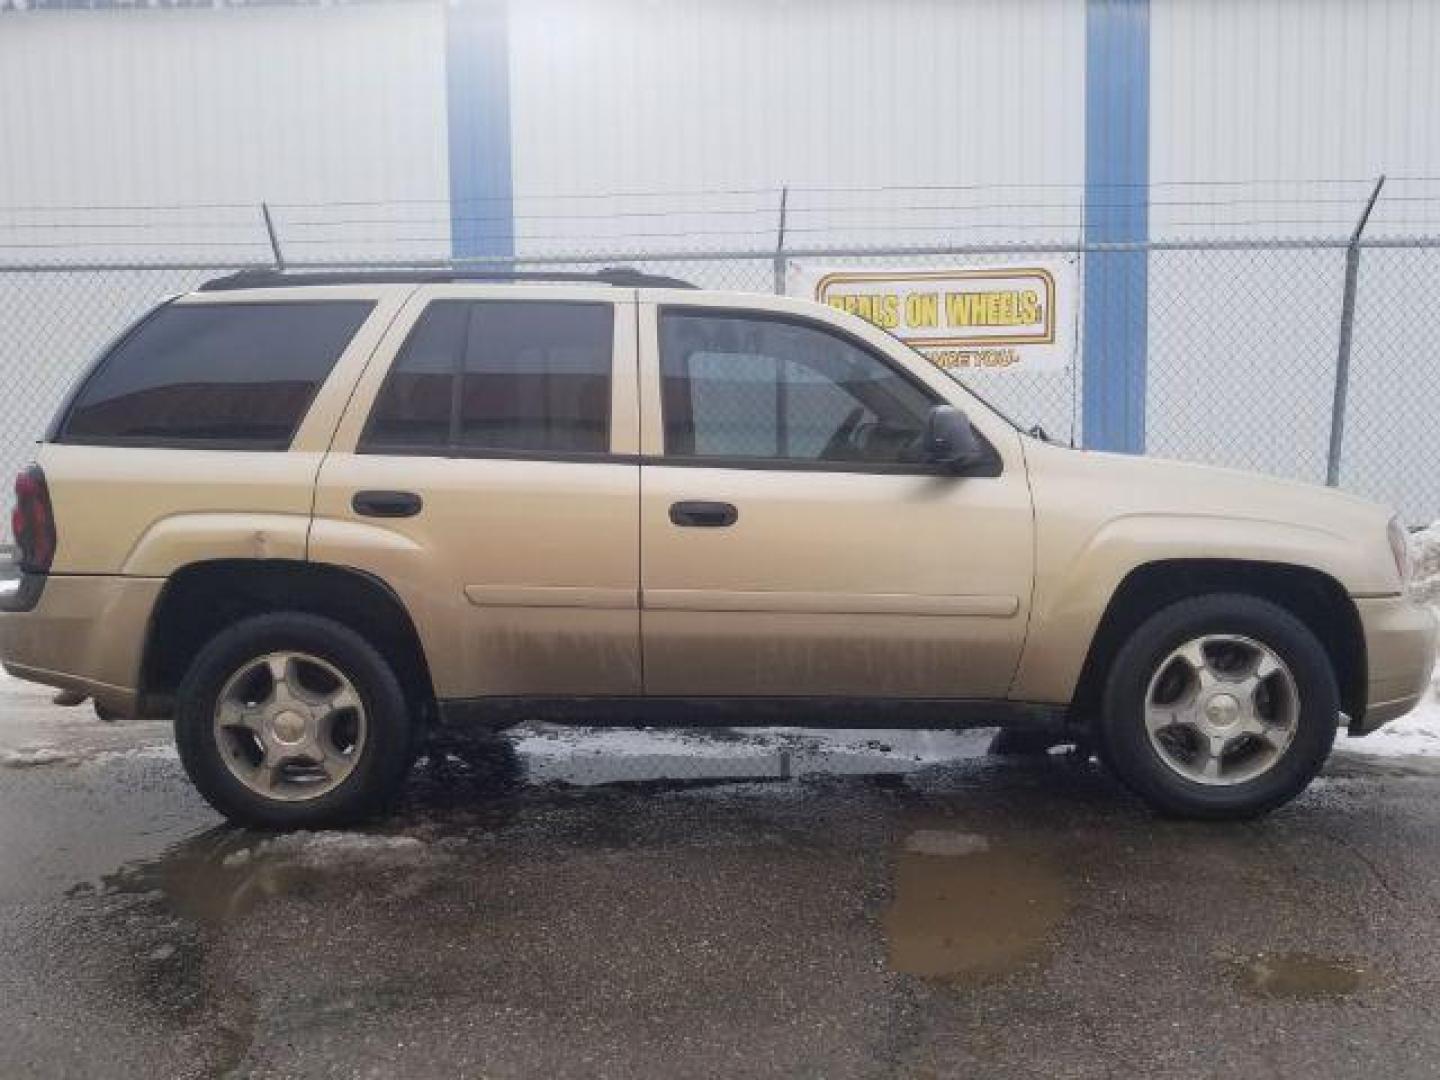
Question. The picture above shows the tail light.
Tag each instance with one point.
(33, 521)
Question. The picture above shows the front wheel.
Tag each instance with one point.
(1221, 706)
(289, 720)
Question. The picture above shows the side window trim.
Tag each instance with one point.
(779, 464)
(454, 448)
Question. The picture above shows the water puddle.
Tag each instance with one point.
(969, 910)
(1300, 975)
(216, 878)
(471, 783)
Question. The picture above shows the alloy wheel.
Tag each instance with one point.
(290, 726)
(1221, 709)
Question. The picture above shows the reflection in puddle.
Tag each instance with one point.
(1300, 975)
(220, 875)
(969, 911)
(945, 842)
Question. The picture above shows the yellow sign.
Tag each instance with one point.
(976, 317)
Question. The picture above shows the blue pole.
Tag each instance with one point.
(477, 87)
(1117, 210)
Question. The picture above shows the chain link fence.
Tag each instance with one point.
(1244, 338)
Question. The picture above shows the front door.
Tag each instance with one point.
(793, 541)
(507, 419)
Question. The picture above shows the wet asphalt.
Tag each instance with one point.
(979, 917)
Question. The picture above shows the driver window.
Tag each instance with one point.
(746, 386)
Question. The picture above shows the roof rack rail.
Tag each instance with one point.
(620, 276)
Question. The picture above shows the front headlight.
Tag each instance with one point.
(1400, 548)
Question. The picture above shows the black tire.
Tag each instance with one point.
(384, 758)
(1126, 747)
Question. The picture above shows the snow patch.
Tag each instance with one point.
(543, 741)
(158, 752)
(1415, 733)
(31, 757)
(1425, 554)
(548, 742)
(336, 850)
(43, 755)
(1418, 732)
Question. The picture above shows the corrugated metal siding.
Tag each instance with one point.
(725, 98)
(1292, 109)
(1295, 91)
(218, 110)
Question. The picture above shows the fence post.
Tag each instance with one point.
(274, 239)
(1347, 327)
(779, 267)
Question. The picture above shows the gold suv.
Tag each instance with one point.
(309, 515)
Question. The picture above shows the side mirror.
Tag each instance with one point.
(950, 440)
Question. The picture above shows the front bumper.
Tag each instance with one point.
(1400, 655)
(82, 633)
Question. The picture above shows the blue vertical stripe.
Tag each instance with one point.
(477, 87)
(1117, 210)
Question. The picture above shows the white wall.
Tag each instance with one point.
(1304, 92)
(1294, 108)
(217, 110)
(134, 113)
(702, 96)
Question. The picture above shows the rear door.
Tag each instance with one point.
(486, 471)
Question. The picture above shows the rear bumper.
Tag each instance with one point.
(82, 633)
(1400, 654)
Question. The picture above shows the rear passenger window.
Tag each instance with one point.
(235, 376)
(519, 376)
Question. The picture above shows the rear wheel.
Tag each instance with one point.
(288, 720)
(1221, 706)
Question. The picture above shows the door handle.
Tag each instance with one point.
(703, 515)
(387, 504)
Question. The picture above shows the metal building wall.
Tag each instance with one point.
(1273, 118)
(195, 116)
(1291, 91)
(696, 96)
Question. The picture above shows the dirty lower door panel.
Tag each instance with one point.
(520, 575)
(834, 584)
(487, 474)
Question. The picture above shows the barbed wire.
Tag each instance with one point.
(772, 191)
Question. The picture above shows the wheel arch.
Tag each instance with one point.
(1312, 596)
(203, 598)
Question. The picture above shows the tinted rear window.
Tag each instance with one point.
(233, 375)
(515, 376)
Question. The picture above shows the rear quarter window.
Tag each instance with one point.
(235, 376)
